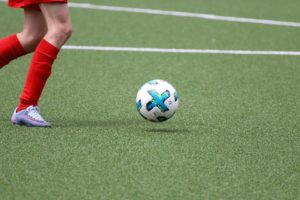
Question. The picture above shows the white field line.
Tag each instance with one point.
(190, 51)
(184, 14)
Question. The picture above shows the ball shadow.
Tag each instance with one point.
(166, 130)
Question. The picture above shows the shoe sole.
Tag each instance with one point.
(29, 125)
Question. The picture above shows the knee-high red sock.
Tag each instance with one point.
(10, 49)
(39, 72)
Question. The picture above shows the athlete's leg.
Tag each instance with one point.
(34, 29)
(59, 27)
(17, 45)
(58, 21)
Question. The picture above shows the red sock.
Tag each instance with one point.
(39, 72)
(10, 49)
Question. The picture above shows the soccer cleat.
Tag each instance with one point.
(29, 117)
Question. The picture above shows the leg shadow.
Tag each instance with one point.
(101, 123)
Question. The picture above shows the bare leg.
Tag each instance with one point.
(34, 29)
(58, 22)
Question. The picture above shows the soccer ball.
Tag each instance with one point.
(157, 101)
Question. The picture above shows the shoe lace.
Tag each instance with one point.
(33, 112)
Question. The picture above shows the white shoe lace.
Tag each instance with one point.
(33, 112)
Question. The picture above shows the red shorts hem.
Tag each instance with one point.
(30, 3)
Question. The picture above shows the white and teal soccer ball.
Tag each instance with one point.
(157, 101)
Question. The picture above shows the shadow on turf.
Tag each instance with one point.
(165, 130)
(112, 124)
(93, 123)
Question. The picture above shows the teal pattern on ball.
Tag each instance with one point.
(158, 100)
(176, 96)
(153, 82)
(138, 105)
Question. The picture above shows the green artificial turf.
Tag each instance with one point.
(236, 133)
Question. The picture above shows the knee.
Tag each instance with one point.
(34, 39)
(30, 40)
(61, 33)
(65, 32)
(68, 32)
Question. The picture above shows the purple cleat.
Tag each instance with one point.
(29, 117)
